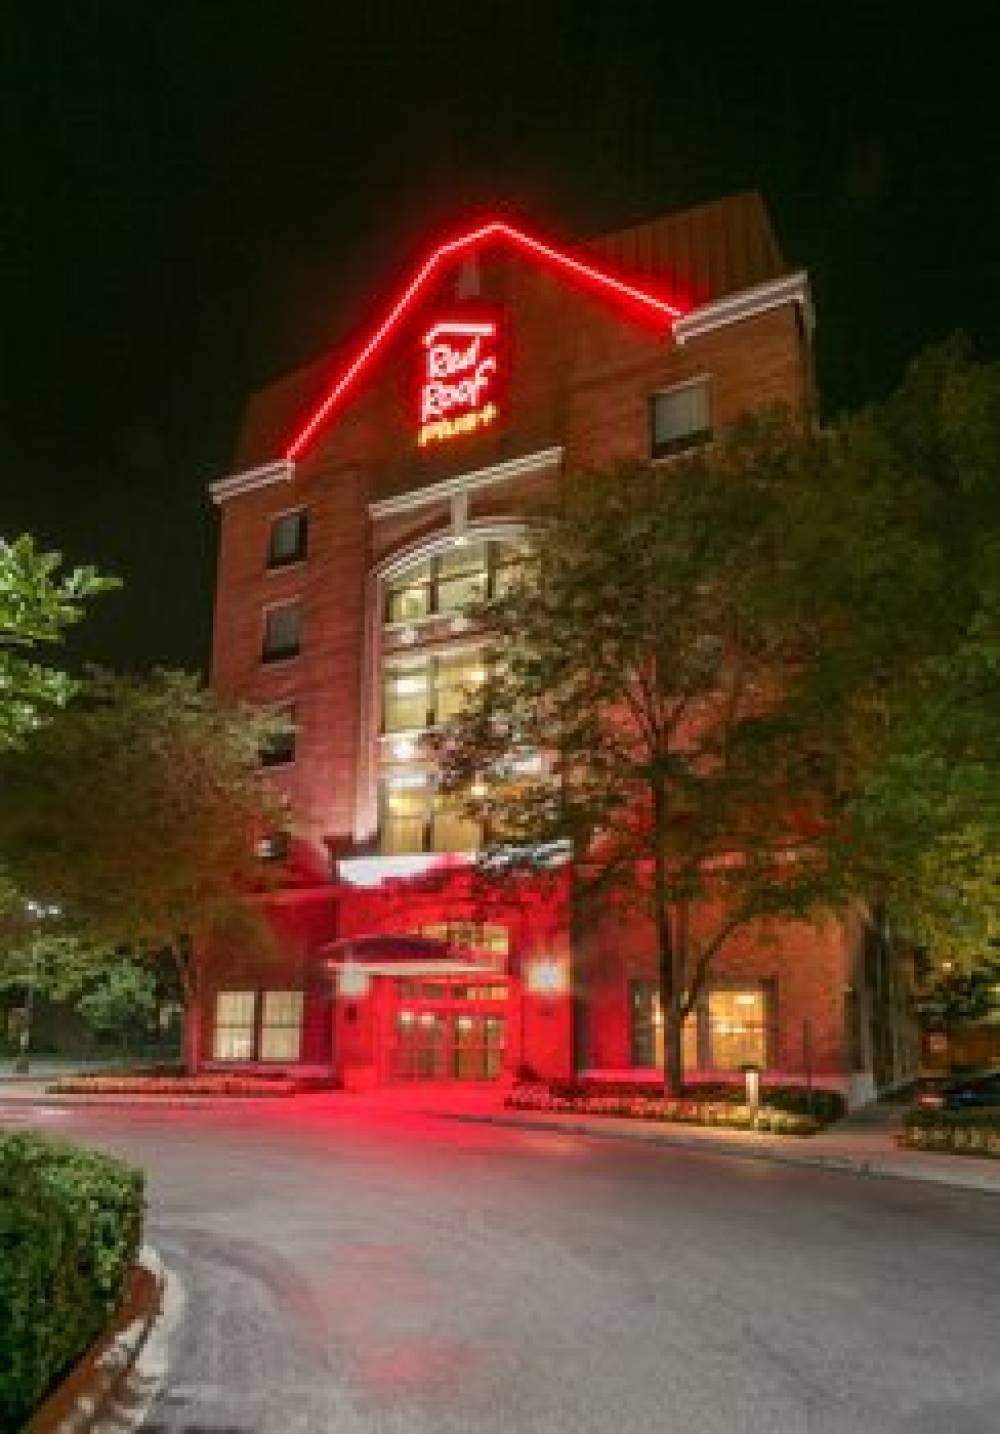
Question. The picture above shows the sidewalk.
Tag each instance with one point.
(863, 1144)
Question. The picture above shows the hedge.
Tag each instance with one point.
(956, 1132)
(70, 1227)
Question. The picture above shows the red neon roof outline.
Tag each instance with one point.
(659, 309)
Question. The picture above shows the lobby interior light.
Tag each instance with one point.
(404, 749)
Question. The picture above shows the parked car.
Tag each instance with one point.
(962, 1093)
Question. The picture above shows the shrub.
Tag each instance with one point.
(70, 1225)
(641, 1103)
(822, 1105)
(959, 1132)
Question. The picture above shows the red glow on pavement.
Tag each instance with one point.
(649, 306)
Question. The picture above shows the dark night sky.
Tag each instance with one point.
(198, 196)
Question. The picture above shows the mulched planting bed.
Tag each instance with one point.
(180, 1085)
(783, 1110)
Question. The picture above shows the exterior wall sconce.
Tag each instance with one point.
(547, 977)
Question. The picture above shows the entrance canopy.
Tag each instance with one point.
(400, 955)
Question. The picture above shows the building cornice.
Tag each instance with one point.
(283, 471)
(747, 304)
(464, 483)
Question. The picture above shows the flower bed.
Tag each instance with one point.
(718, 1106)
(955, 1132)
(210, 1083)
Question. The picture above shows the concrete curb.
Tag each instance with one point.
(89, 1390)
(156, 1102)
(986, 1183)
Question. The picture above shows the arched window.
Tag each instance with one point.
(467, 572)
(429, 663)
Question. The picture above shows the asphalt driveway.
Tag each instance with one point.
(352, 1265)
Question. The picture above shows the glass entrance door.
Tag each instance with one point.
(444, 1030)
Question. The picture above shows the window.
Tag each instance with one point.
(737, 1029)
(279, 748)
(470, 935)
(466, 574)
(421, 692)
(680, 418)
(281, 1026)
(235, 1013)
(646, 1029)
(451, 830)
(282, 632)
(289, 537)
(236, 1031)
(418, 819)
(461, 577)
(404, 820)
(406, 696)
(409, 599)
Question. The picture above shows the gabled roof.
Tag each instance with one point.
(598, 277)
(708, 252)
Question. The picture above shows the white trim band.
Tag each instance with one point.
(747, 304)
(283, 471)
(450, 488)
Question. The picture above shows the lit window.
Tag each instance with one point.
(289, 538)
(409, 598)
(470, 935)
(281, 1026)
(235, 1014)
(417, 819)
(454, 678)
(461, 577)
(737, 1029)
(279, 748)
(451, 830)
(647, 1035)
(465, 575)
(406, 698)
(426, 691)
(680, 418)
(404, 820)
(282, 632)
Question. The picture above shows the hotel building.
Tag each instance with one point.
(376, 495)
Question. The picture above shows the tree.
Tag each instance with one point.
(111, 990)
(952, 994)
(37, 604)
(920, 825)
(135, 812)
(766, 679)
(645, 655)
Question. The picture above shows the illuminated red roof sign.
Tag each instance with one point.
(641, 303)
(458, 393)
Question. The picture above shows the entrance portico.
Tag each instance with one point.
(410, 1008)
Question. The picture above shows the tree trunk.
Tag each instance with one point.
(191, 1042)
(191, 1039)
(672, 1073)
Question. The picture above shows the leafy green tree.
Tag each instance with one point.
(135, 812)
(917, 504)
(37, 604)
(953, 994)
(766, 680)
(645, 656)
